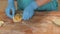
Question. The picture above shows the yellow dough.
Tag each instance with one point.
(57, 21)
(1, 23)
(17, 18)
(54, 19)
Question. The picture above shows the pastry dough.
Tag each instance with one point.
(1, 23)
(17, 18)
(56, 21)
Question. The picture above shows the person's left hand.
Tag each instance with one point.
(29, 11)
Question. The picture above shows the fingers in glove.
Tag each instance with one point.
(8, 13)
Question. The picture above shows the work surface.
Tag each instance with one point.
(37, 25)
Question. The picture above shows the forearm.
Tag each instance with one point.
(10, 2)
(42, 2)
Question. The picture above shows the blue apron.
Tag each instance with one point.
(53, 5)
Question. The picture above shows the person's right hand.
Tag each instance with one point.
(10, 8)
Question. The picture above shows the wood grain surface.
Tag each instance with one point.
(37, 25)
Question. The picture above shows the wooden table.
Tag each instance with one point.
(32, 26)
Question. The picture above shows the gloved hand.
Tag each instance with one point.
(10, 7)
(29, 11)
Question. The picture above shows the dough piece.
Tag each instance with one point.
(56, 21)
(17, 18)
(1, 23)
(53, 19)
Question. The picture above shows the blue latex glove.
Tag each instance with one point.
(29, 10)
(10, 7)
